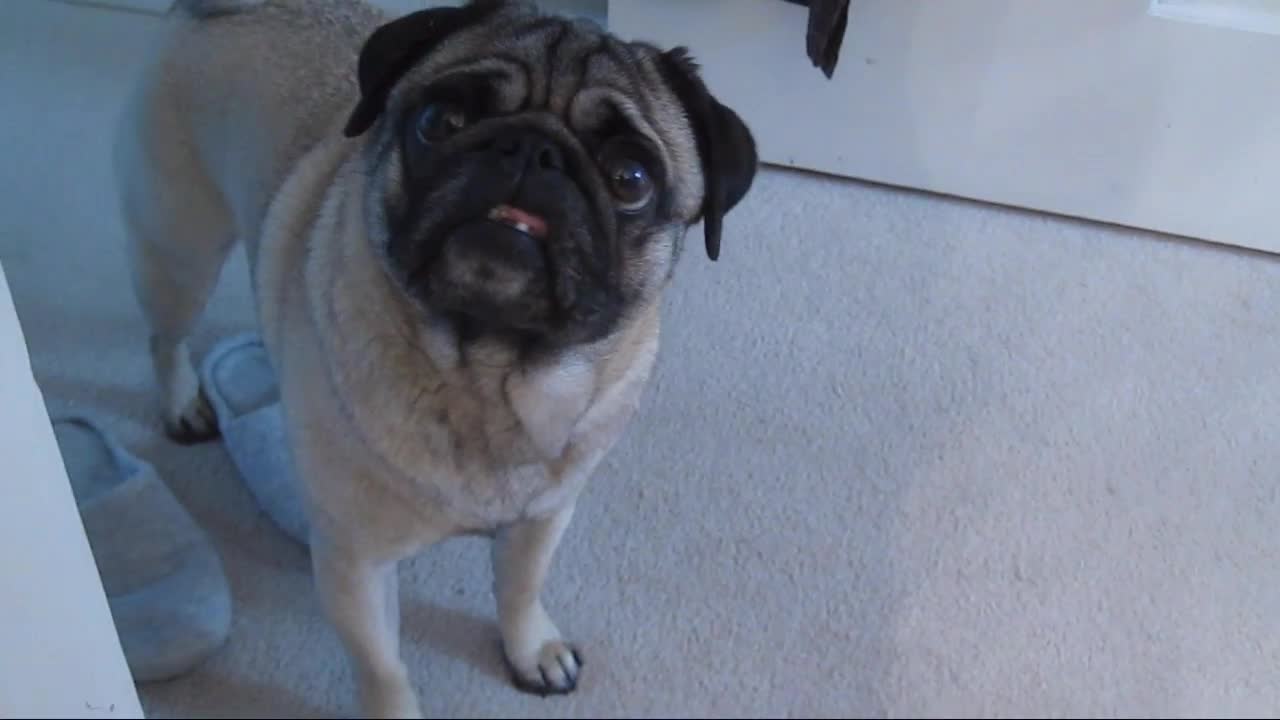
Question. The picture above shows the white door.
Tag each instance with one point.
(1161, 115)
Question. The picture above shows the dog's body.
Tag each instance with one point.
(468, 387)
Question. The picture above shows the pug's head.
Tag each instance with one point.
(533, 176)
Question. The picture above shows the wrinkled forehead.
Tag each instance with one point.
(571, 69)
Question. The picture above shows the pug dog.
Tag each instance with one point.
(459, 225)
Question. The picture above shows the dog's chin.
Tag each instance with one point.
(494, 278)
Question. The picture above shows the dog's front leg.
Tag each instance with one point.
(541, 661)
(361, 598)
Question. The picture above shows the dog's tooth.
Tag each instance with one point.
(495, 213)
(522, 227)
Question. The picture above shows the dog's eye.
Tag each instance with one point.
(438, 121)
(628, 179)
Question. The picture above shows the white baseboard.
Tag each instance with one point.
(1261, 16)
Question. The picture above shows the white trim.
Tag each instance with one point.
(1260, 16)
(59, 650)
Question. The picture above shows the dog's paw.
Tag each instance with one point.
(193, 421)
(552, 669)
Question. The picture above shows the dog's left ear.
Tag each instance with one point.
(725, 144)
(397, 46)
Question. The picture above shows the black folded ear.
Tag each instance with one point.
(725, 144)
(397, 46)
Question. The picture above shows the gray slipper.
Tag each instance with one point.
(240, 381)
(163, 579)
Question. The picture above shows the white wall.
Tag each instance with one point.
(1090, 108)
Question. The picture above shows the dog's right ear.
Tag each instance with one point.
(726, 146)
(397, 46)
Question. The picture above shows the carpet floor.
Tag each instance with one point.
(903, 456)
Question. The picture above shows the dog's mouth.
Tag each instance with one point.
(535, 226)
(494, 268)
(514, 264)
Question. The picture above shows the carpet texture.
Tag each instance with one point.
(903, 456)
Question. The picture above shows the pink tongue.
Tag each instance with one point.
(537, 226)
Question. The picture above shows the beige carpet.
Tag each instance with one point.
(903, 456)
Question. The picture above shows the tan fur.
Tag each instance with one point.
(234, 134)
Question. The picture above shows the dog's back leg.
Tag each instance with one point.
(180, 232)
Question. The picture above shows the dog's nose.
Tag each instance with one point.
(529, 150)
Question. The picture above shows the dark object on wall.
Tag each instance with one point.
(827, 21)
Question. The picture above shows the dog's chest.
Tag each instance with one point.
(502, 433)
(484, 498)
